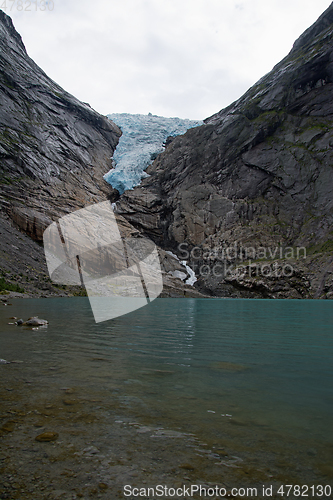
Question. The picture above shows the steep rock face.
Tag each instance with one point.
(54, 149)
(257, 175)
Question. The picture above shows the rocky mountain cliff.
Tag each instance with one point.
(54, 151)
(247, 197)
(244, 199)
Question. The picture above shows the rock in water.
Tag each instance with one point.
(35, 321)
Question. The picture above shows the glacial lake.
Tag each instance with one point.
(253, 375)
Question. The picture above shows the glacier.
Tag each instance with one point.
(142, 140)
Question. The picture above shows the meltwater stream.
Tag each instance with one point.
(255, 375)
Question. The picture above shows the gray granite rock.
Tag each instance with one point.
(258, 174)
(54, 149)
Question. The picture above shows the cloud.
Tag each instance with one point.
(181, 57)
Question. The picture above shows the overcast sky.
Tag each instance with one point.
(185, 58)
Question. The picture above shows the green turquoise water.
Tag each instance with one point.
(254, 373)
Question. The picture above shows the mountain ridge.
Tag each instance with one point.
(54, 153)
(257, 173)
(50, 141)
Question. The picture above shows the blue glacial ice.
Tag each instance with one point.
(142, 140)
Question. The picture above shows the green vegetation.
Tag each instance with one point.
(270, 116)
(251, 109)
(14, 179)
(4, 285)
(75, 291)
(5, 180)
(80, 292)
(7, 81)
(327, 246)
(8, 138)
(322, 247)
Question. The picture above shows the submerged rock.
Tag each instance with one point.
(69, 402)
(8, 426)
(46, 437)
